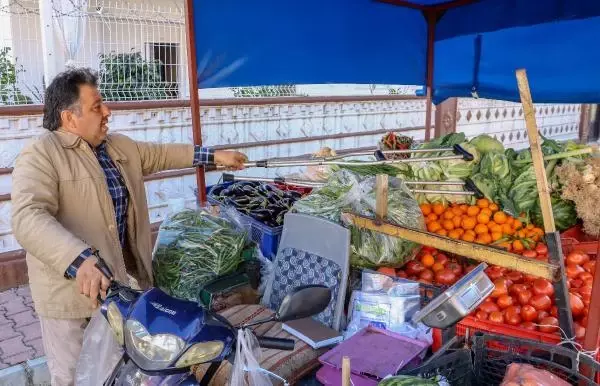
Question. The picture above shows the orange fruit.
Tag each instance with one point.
(464, 208)
(517, 224)
(454, 234)
(425, 208)
(493, 207)
(442, 232)
(496, 235)
(460, 231)
(427, 260)
(438, 209)
(468, 237)
(491, 223)
(468, 223)
(481, 229)
(471, 232)
(434, 226)
(437, 267)
(500, 217)
(431, 217)
(507, 229)
(457, 212)
(485, 237)
(487, 212)
(518, 246)
(510, 220)
(448, 214)
(522, 233)
(483, 203)
(530, 226)
(448, 225)
(456, 220)
(473, 211)
(495, 228)
(506, 245)
(483, 218)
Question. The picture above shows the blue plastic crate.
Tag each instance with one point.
(265, 236)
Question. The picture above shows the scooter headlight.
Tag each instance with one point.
(151, 352)
(115, 319)
(200, 353)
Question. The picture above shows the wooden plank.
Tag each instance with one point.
(346, 381)
(381, 196)
(477, 252)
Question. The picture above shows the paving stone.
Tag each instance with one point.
(12, 346)
(7, 332)
(14, 306)
(4, 320)
(23, 291)
(38, 346)
(3, 365)
(6, 296)
(20, 357)
(30, 332)
(24, 318)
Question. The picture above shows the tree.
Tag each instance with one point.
(131, 77)
(9, 70)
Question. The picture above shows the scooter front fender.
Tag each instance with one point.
(127, 373)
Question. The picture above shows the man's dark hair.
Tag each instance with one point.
(63, 94)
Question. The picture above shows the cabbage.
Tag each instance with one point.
(496, 165)
(487, 185)
(427, 171)
(524, 193)
(565, 215)
(458, 168)
(486, 144)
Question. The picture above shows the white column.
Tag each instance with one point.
(52, 52)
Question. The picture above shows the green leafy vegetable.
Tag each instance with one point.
(565, 214)
(458, 168)
(486, 144)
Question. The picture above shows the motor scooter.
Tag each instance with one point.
(163, 337)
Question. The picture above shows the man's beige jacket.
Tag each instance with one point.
(61, 206)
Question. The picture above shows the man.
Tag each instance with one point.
(78, 193)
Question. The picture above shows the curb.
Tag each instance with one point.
(31, 373)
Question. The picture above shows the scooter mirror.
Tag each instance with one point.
(303, 301)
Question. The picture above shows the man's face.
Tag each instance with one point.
(90, 118)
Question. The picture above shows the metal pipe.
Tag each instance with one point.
(449, 192)
(266, 164)
(446, 183)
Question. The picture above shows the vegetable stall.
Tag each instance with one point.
(476, 51)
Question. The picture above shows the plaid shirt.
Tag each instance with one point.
(120, 195)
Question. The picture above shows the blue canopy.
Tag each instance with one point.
(478, 46)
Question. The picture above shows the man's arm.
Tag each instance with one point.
(34, 198)
(157, 157)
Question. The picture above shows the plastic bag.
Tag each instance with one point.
(193, 247)
(348, 191)
(100, 353)
(523, 374)
(246, 370)
(438, 380)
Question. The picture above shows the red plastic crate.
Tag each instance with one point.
(575, 239)
(300, 189)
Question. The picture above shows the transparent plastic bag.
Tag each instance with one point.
(348, 191)
(246, 370)
(523, 374)
(194, 247)
(100, 353)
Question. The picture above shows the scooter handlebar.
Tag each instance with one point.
(276, 343)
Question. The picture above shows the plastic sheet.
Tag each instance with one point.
(347, 191)
(246, 370)
(523, 374)
(100, 353)
(192, 248)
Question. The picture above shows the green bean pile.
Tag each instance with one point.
(194, 247)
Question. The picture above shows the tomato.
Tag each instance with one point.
(387, 271)
(469, 268)
(529, 326)
(585, 292)
(430, 250)
(529, 253)
(579, 331)
(549, 324)
(575, 283)
(427, 274)
(414, 268)
(584, 321)
(425, 281)
(573, 270)
(441, 258)
(445, 277)
(542, 315)
(542, 287)
(513, 316)
(494, 273)
(577, 305)
(489, 307)
(501, 288)
(554, 311)
(529, 313)
(590, 266)
(541, 302)
(515, 289)
(481, 315)
(585, 276)
(529, 278)
(401, 273)
(577, 258)
(541, 249)
(496, 317)
(524, 297)
(505, 301)
(456, 268)
(515, 276)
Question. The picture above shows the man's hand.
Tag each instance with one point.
(231, 159)
(91, 281)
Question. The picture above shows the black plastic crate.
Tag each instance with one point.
(456, 366)
(493, 354)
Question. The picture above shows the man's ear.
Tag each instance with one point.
(66, 117)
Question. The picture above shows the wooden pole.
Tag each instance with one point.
(552, 237)
(194, 97)
(430, 17)
(381, 196)
(346, 381)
